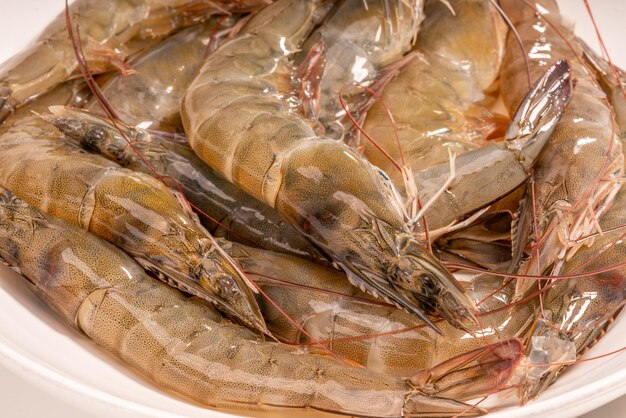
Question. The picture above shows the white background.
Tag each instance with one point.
(21, 21)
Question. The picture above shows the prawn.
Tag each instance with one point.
(578, 312)
(109, 29)
(132, 210)
(358, 327)
(577, 176)
(185, 347)
(240, 118)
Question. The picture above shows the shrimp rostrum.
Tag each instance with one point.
(185, 346)
(240, 118)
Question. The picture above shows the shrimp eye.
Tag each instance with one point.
(95, 135)
(428, 282)
(227, 286)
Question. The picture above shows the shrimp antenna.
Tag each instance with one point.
(511, 26)
(605, 52)
(360, 128)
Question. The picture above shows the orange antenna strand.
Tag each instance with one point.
(518, 38)
(605, 52)
(360, 128)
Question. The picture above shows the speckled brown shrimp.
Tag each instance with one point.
(376, 335)
(241, 117)
(240, 216)
(577, 176)
(132, 210)
(108, 29)
(578, 311)
(184, 346)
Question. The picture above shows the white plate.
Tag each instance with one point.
(41, 349)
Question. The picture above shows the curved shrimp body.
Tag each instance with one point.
(355, 42)
(437, 98)
(182, 345)
(576, 177)
(358, 327)
(239, 118)
(151, 96)
(106, 29)
(488, 173)
(132, 210)
(234, 214)
(578, 312)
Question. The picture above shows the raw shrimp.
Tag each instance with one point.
(239, 117)
(185, 347)
(578, 311)
(215, 196)
(439, 97)
(357, 326)
(577, 176)
(107, 27)
(151, 96)
(241, 217)
(132, 210)
(487, 174)
(351, 47)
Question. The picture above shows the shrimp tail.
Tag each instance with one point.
(543, 106)
(547, 347)
(479, 372)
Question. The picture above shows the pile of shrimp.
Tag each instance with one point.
(260, 205)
